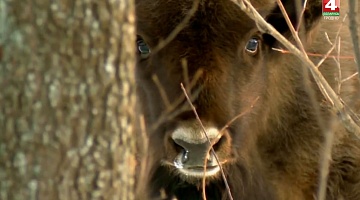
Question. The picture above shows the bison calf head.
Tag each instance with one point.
(227, 64)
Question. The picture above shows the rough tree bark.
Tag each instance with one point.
(67, 99)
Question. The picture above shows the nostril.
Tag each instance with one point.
(181, 151)
(178, 148)
(185, 156)
(219, 143)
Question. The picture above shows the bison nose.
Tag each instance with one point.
(193, 155)
(193, 147)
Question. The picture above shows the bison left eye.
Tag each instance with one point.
(143, 48)
(252, 46)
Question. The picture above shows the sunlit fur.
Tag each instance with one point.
(274, 150)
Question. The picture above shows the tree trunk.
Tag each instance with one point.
(67, 99)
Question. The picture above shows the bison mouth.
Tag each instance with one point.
(195, 168)
(200, 172)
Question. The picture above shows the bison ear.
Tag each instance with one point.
(294, 8)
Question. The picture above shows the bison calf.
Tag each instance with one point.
(231, 68)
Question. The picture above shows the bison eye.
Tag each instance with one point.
(143, 48)
(252, 46)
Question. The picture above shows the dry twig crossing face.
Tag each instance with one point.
(248, 109)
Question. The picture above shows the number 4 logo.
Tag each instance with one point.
(331, 7)
(331, 4)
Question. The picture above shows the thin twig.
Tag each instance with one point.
(350, 77)
(178, 28)
(170, 111)
(207, 137)
(162, 92)
(186, 74)
(337, 60)
(301, 16)
(325, 56)
(284, 51)
(239, 115)
(291, 27)
(328, 39)
(336, 57)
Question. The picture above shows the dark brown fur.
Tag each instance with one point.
(276, 147)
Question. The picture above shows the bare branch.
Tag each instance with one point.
(350, 77)
(301, 16)
(178, 28)
(162, 91)
(326, 56)
(291, 27)
(314, 54)
(337, 57)
(337, 60)
(175, 107)
(239, 115)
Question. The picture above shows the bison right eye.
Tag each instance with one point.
(143, 48)
(252, 46)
